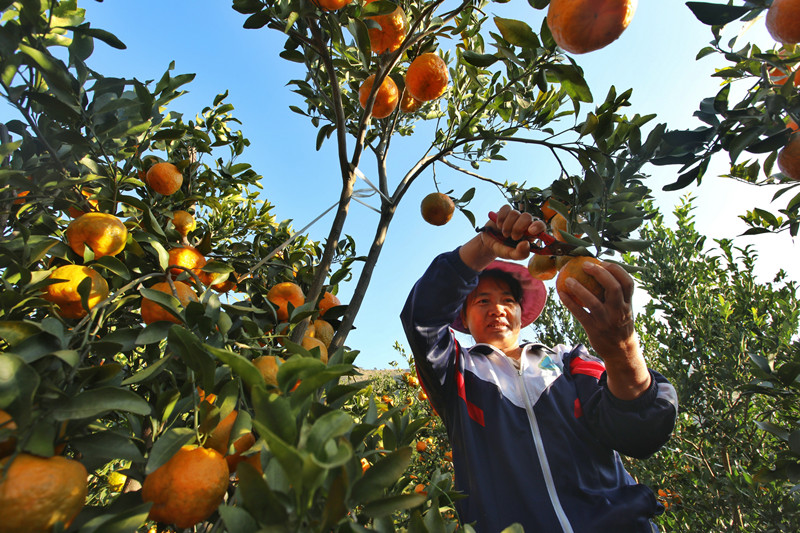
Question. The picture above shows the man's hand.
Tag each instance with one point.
(609, 326)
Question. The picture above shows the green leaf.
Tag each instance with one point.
(539, 4)
(153, 333)
(193, 353)
(479, 60)
(109, 38)
(107, 445)
(274, 414)
(241, 366)
(236, 518)
(381, 475)
(16, 331)
(329, 426)
(166, 446)
(716, 14)
(94, 403)
(18, 382)
(572, 80)
(390, 504)
(115, 265)
(258, 497)
(517, 32)
(148, 372)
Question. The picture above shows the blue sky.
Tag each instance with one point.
(655, 56)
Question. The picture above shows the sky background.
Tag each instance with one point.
(655, 56)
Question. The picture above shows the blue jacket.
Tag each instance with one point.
(539, 446)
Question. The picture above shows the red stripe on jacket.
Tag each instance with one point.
(587, 368)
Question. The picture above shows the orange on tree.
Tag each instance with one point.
(427, 77)
(420, 489)
(37, 492)
(789, 158)
(153, 312)
(409, 104)
(268, 366)
(241, 445)
(219, 437)
(183, 221)
(574, 270)
(164, 178)
(328, 300)
(780, 77)
(75, 212)
(283, 294)
(783, 21)
(7, 427)
(581, 26)
(559, 224)
(392, 32)
(365, 464)
(186, 257)
(331, 5)
(188, 488)
(422, 446)
(65, 293)
(547, 211)
(323, 330)
(437, 208)
(542, 267)
(213, 280)
(385, 100)
(309, 343)
(20, 197)
(105, 234)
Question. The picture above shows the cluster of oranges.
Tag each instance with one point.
(546, 267)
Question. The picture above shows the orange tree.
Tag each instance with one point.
(506, 83)
(97, 385)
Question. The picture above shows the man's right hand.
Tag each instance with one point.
(510, 223)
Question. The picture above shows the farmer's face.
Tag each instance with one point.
(492, 314)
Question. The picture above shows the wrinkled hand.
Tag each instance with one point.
(511, 223)
(609, 326)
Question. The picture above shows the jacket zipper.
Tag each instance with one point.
(543, 462)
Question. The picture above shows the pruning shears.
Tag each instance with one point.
(549, 245)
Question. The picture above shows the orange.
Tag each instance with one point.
(780, 77)
(426, 77)
(186, 257)
(36, 492)
(219, 437)
(385, 101)
(105, 234)
(183, 221)
(542, 267)
(792, 125)
(422, 396)
(574, 270)
(783, 21)
(7, 425)
(581, 26)
(65, 293)
(420, 489)
(323, 331)
(309, 343)
(164, 178)
(390, 36)
(331, 5)
(409, 104)
(547, 211)
(282, 294)
(268, 366)
(558, 224)
(75, 212)
(241, 445)
(20, 197)
(188, 488)
(152, 312)
(437, 208)
(789, 158)
(328, 300)
(422, 446)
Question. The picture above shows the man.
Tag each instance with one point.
(536, 432)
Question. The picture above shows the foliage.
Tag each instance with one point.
(752, 129)
(724, 339)
(509, 84)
